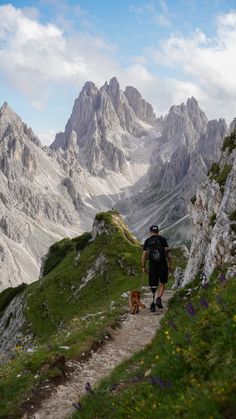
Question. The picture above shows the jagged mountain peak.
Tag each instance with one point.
(142, 109)
(89, 88)
(114, 85)
(4, 107)
(102, 119)
(7, 113)
(192, 102)
(13, 126)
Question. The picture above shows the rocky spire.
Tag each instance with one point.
(142, 109)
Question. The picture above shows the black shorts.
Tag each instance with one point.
(157, 273)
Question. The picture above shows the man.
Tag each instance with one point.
(160, 263)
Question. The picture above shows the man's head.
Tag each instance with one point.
(154, 230)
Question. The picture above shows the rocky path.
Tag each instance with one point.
(135, 332)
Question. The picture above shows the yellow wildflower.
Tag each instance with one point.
(234, 318)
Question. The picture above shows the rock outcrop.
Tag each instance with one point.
(187, 147)
(213, 213)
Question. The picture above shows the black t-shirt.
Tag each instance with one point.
(163, 244)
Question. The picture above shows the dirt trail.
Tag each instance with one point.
(135, 332)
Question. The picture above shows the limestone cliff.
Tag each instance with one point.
(213, 213)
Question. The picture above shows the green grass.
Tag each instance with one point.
(56, 309)
(58, 315)
(189, 369)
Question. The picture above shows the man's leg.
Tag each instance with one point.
(163, 272)
(161, 290)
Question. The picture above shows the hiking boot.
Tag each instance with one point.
(152, 307)
(159, 303)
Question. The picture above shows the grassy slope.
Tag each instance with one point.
(189, 369)
(58, 319)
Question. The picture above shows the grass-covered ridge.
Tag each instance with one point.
(71, 306)
(189, 369)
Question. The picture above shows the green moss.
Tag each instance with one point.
(188, 371)
(230, 142)
(212, 219)
(193, 199)
(8, 294)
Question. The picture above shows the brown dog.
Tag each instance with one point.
(134, 301)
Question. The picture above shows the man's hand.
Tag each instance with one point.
(144, 270)
(170, 269)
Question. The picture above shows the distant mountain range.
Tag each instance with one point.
(114, 152)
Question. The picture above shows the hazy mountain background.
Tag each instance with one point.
(113, 153)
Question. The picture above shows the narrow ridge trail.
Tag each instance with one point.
(135, 332)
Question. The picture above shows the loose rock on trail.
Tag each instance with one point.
(135, 332)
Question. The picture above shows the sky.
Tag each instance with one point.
(169, 50)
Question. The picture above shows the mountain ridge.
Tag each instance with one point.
(114, 153)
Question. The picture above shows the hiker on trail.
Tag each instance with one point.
(156, 250)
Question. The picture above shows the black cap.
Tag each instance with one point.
(154, 229)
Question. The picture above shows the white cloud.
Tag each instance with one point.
(40, 60)
(35, 58)
(156, 12)
(209, 64)
(47, 138)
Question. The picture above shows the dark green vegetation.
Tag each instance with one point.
(189, 369)
(232, 217)
(220, 176)
(230, 142)
(59, 250)
(193, 199)
(212, 219)
(7, 295)
(67, 309)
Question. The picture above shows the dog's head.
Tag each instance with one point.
(135, 294)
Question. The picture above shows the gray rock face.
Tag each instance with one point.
(180, 162)
(142, 109)
(214, 238)
(11, 324)
(103, 121)
(35, 208)
(185, 123)
(210, 141)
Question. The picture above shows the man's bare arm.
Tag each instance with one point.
(143, 259)
(169, 257)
